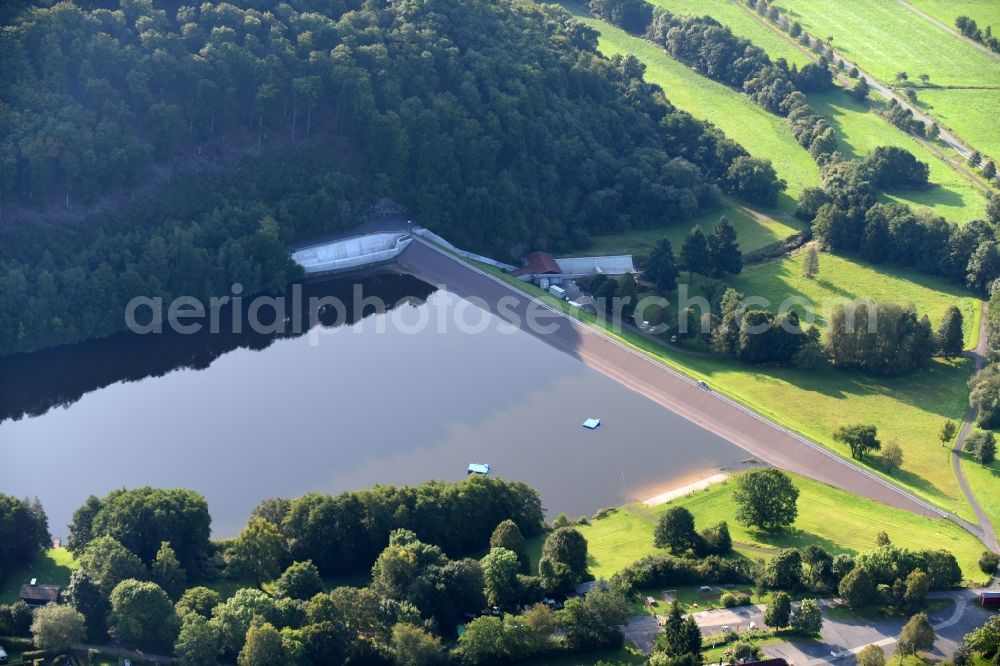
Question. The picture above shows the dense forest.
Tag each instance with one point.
(497, 124)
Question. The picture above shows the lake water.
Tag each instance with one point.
(243, 417)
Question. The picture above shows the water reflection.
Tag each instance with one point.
(242, 418)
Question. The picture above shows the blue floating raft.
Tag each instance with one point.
(592, 423)
(477, 468)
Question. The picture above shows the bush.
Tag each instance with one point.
(731, 600)
(776, 249)
(989, 562)
(657, 570)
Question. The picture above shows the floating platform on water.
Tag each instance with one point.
(592, 423)
(479, 468)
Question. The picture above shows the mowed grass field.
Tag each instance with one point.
(909, 409)
(859, 131)
(841, 278)
(834, 519)
(753, 232)
(761, 133)
(885, 38)
(985, 12)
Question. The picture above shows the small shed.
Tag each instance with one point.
(34, 594)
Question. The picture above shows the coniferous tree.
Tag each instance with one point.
(949, 334)
(724, 253)
(661, 268)
(694, 252)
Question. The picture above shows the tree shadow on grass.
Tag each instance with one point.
(792, 537)
(936, 194)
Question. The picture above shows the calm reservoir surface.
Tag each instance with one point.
(378, 400)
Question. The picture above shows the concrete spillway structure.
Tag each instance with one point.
(346, 254)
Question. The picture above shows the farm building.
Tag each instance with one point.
(34, 594)
(544, 269)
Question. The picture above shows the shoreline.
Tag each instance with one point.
(686, 489)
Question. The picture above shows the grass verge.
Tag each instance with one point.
(836, 520)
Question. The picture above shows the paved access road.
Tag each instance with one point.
(980, 354)
(764, 439)
(843, 635)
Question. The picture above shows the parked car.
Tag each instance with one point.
(3, 655)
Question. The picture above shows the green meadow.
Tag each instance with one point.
(841, 278)
(859, 131)
(985, 12)
(838, 521)
(970, 113)
(885, 38)
(763, 134)
(754, 230)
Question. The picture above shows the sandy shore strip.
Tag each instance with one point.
(686, 489)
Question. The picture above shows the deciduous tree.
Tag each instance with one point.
(142, 615)
(567, 546)
(166, 571)
(766, 499)
(807, 619)
(892, 456)
(57, 627)
(263, 647)
(300, 580)
(675, 530)
(778, 611)
(500, 567)
(917, 635)
(258, 551)
(860, 438)
(414, 646)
